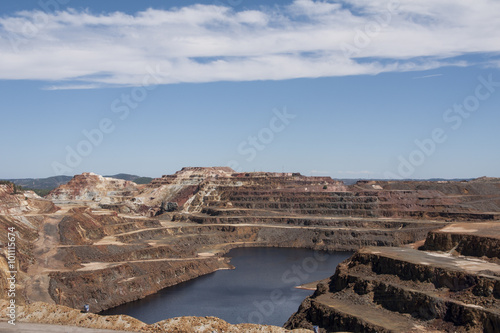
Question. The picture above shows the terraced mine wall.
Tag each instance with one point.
(108, 242)
(191, 190)
(377, 288)
(110, 260)
(392, 203)
(477, 240)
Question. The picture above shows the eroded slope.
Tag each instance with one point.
(108, 241)
(404, 289)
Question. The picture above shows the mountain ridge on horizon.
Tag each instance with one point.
(49, 183)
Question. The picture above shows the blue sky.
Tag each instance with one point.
(351, 89)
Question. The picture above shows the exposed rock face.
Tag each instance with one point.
(221, 191)
(26, 229)
(477, 240)
(189, 188)
(218, 191)
(22, 203)
(106, 285)
(108, 260)
(112, 241)
(456, 198)
(91, 187)
(378, 288)
(175, 190)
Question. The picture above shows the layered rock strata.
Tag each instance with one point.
(94, 188)
(110, 241)
(447, 286)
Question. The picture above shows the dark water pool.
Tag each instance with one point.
(260, 290)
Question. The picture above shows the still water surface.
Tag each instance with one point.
(260, 290)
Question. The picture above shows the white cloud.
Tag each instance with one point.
(203, 43)
(427, 76)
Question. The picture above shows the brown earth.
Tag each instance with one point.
(108, 241)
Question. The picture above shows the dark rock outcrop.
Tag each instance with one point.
(403, 289)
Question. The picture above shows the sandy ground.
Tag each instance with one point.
(437, 259)
(37, 328)
(311, 285)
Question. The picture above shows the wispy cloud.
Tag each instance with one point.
(427, 76)
(74, 86)
(206, 43)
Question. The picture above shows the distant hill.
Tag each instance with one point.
(132, 178)
(143, 180)
(41, 183)
(124, 176)
(44, 185)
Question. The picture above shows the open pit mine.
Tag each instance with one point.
(427, 260)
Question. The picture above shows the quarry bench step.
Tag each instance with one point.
(426, 304)
(322, 211)
(283, 192)
(305, 198)
(368, 318)
(440, 268)
(284, 205)
(358, 210)
(298, 221)
(253, 213)
(471, 239)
